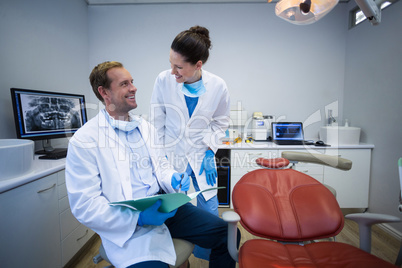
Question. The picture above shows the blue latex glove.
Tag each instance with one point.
(208, 164)
(151, 216)
(181, 180)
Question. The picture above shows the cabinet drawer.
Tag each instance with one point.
(240, 171)
(246, 158)
(61, 177)
(63, 204)
(30, 231)
(62, 190)
(73, 243)
(310, 169)
(67, 223)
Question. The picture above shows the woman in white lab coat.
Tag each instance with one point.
(190, 109)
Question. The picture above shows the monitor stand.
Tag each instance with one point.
(48, 148)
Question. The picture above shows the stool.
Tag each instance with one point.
(182, 248)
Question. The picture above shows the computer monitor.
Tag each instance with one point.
(45, 115)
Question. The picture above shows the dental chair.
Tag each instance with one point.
(182, 247)
(292, 212)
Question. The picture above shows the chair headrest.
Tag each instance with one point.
(272, 163)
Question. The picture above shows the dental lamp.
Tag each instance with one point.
(371, 10)
(303, 12)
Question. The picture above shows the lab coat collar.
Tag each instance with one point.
(184, 104)
(182, 99)
(120, 153)
(205, 78)
(110, 134)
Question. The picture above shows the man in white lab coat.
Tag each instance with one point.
(113, 157)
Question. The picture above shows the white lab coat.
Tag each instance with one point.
(187, 139)
(98, 172)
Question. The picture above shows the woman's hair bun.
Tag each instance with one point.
(193, 44)
(203, 32)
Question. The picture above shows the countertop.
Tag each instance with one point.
(44, 168)
(272, 146)
(41, 169)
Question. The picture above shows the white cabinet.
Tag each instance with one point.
(352, 186)
(314, 170)
(73, 234)
(37, 227)
(30, 230)
(243, 161)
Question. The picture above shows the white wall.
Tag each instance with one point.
(261, 58)
(269, 65)
(43, 46)
(373, 95)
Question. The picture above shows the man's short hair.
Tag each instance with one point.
(98, 76)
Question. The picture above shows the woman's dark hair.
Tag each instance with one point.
(193, 44)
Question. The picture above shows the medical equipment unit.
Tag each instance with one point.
(45, 115)
(298, 214)
(222, 158)
(259, 130)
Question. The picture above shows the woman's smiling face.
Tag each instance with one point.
(184, 71)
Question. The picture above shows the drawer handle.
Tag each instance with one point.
(47, 189)
(86, 232)
(255, 154)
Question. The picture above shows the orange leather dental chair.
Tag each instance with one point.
(290, 211)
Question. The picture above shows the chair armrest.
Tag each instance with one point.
(232, 218)
(321, 159)
(365, 221)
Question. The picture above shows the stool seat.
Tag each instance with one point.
(182, 248)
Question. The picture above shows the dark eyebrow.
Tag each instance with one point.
(176, 65)
(126, 81)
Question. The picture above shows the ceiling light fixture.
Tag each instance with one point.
(303, 12)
